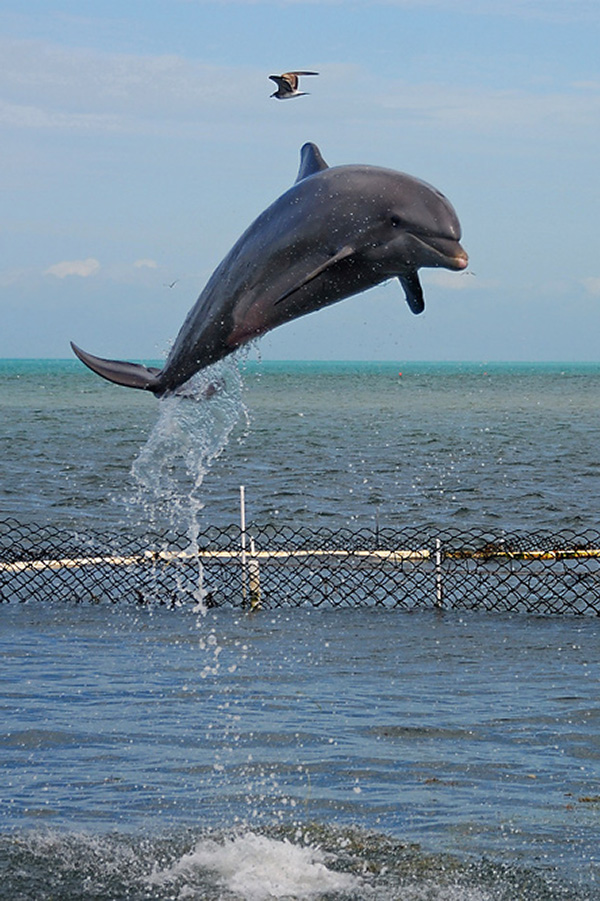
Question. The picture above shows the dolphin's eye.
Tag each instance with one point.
(395, 221)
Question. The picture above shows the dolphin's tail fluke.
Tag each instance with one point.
(132, 375)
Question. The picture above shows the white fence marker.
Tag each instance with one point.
(439, 588)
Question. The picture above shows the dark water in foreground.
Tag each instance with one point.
(301, 754)
(426, 756)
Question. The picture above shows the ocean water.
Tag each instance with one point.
(315, 444)
(157, 753)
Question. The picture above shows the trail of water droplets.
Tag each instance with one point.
(192, 430)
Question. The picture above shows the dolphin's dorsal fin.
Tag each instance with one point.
(311, 161)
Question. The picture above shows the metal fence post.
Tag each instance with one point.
(243, 539)
(439, 587)
(254, 577)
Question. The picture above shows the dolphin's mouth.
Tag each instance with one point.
(436, 250)
(432, 251)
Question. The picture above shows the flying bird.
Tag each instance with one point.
(287, 84)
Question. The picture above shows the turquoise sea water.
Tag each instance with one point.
(317, 444)
(308, 753)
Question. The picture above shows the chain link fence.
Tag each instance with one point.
(272, 567)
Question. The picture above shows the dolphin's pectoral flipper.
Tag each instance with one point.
(413, 291)
(132, 375)
(343, 254)
(311, 161)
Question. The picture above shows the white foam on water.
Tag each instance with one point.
(241, 867)
(258, 868)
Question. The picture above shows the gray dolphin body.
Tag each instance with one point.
(337, 231)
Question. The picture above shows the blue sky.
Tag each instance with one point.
(138, 140)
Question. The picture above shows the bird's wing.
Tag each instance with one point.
(289, 81)
(283, 84)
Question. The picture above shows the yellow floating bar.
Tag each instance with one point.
(491, 554)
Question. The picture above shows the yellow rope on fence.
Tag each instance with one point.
(484, 554)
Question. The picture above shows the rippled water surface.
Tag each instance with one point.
(161, 753)
(475, 736)
(321, 444)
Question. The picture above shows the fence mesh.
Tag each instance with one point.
(274, 567)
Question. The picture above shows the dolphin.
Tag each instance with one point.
(336, 232)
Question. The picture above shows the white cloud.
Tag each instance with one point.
(12, 277)
(45, 85)
(551, 10)
(474, 109)
(83, 268)
(48, 86)
(587, 85)
(141, 271)
(19, 115)
(145, 264)
(592, 285)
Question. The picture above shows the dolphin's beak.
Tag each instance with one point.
(460, 259)
(444, 252)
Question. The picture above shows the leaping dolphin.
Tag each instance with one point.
(336, 232)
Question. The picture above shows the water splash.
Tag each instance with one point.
(258, 868)
(192, 430)
(310, 863)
